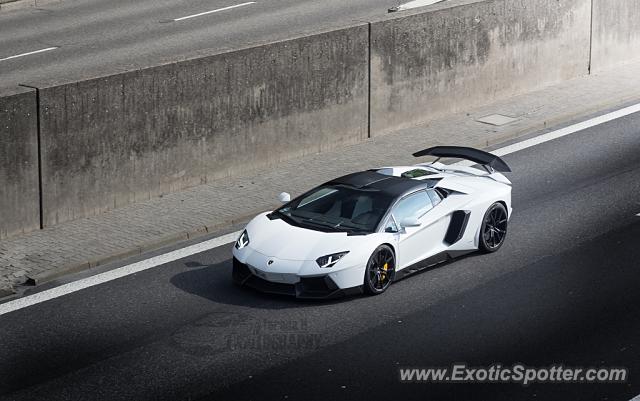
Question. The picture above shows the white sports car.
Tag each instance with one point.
(362, 231)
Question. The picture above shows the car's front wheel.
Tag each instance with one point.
(380, 270)
(494, 228)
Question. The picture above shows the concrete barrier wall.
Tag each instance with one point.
(616, 33)
(108, 142)
(19, 194)
(111, 141)
(466, 53)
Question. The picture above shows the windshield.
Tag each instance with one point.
(337, 208)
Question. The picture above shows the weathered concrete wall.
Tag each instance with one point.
(111, 141)
(616, 33)
(19, 201)
(466, 53)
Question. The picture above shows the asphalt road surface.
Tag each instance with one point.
(564, 289)
(97, 37)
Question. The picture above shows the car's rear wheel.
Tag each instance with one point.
(380, 270)
(494, 228)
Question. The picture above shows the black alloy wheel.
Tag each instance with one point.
(380, 270)
(494, 228)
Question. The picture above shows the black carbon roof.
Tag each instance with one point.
(391, 185)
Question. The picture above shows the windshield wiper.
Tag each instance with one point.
(358, 232)
(289, 219)
(316, 223)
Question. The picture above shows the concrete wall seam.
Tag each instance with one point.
(19, 195)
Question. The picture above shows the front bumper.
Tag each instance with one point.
(320, 287)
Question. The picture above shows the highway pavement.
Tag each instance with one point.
(82, 39)
(562, 290)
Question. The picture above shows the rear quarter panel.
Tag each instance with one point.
(485, 193)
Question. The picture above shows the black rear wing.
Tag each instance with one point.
(461, 152)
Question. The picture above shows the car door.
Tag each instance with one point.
(418, 242)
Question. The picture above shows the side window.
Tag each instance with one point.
(391, 226)
(435, 197)
(413, 206)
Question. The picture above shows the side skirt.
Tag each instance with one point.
(431, 261)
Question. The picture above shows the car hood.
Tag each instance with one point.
(277, 238)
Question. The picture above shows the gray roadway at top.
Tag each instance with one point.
(98, 38)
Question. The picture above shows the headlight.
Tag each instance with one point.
(243, 240)
(330, 260)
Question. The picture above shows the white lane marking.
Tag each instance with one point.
(29, 53)
(214, 11)
(550, 136)
(116, 273)
(215, 242)
(638, 214)
(416, 4)
(567, 130)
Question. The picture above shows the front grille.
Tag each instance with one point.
(317, 287)
(260, 284)
(307, 287)
(315, 284)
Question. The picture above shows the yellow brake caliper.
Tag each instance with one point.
(385, 267)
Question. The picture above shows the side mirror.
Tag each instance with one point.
(410, 222)
(284, 197)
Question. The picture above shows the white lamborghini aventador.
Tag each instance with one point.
(367, 229)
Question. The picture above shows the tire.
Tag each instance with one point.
(493, 231)
(380, 270)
